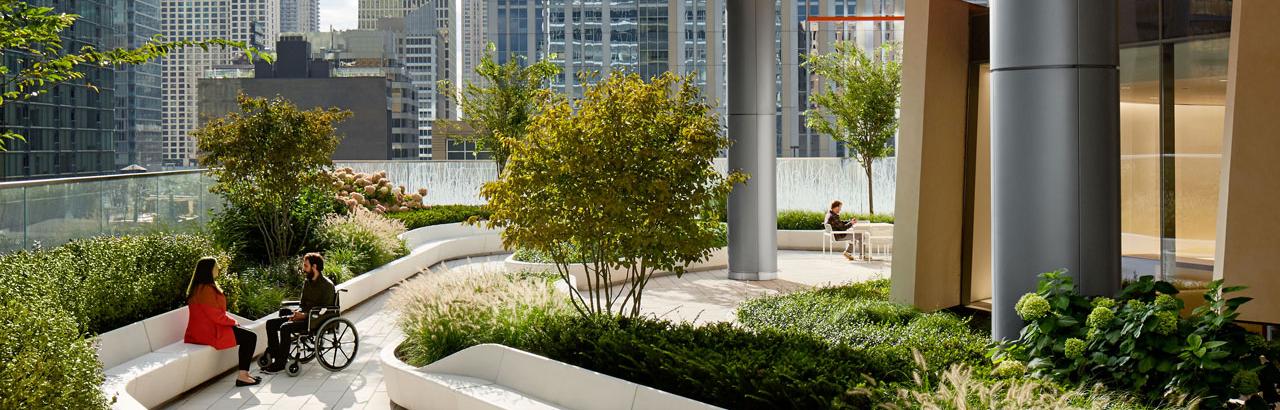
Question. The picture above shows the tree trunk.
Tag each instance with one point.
(871, 203)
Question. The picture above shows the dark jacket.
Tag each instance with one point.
(317, 293)
(838, 225)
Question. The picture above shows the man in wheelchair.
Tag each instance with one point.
(317, 292)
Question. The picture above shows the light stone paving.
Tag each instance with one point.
(700, 297)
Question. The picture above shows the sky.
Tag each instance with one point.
(341, 14)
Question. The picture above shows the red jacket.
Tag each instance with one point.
(207, 320)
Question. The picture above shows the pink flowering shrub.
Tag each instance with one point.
(374, 192)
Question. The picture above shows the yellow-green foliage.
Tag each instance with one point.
(624, 175)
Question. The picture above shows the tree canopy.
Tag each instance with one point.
(859, 104)
(499, 108)
(622, 177)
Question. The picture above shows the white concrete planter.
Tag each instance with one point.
(491, 376)
(147, 363)
(719, 260)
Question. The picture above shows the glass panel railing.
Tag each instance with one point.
(48, 213)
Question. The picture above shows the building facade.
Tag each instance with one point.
(249, 21)
(70, 130)
(421, 56)
(381, 98)
(139, 101)
(369, 11)
(299, 16)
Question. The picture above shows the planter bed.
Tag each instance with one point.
(147, 363)
(719, 260)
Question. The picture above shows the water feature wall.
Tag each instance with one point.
(803, 183)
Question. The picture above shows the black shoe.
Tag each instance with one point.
(273, 369)
(241, 383)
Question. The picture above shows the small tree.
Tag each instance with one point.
(36, 32)
(499, 109)
(266, 158)
(859, 106)
(620, 179)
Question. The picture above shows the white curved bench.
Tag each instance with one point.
(146, 363)
(491, 376)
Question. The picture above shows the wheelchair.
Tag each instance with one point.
(330, 339)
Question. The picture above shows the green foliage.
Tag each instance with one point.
(573, 255)
(107, 282)
(501, 107)
(237, 230)
(795, 219)
(44, 361)
(267, 158)
(859, 106)
(257, 290)
(442, 314)
(35, 32)
(440, 214)
(624, 175)
(1140, 344)
(860, 316)
(361, 240)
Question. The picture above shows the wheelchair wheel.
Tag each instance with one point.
(337, 344)
(303, 349)
(293, 369)
(264, 360)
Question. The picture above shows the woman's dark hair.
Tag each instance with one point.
(835, 204)
(203, 274)
(316, 260)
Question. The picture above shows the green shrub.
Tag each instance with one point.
(45, 363)
(107, 282)
(794, 219)
(237, 229)
(718, 364)
(860, 316)
(1137, 342)
(442, 314)
(362, 240)
(440, 214)
(257, 291)
(720, 240)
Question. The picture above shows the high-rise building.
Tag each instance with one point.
(648, 37)
(299, 16)
(368, 81)
(517, 27)
(369, 11)
(421, 56)
(71, 129)
(138, 87)
(250, 21)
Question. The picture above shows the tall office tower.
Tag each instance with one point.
(471, 38)
(421, 44)
(138, 87)
(71, 129)
(802, 35)
(371, 10)
(299, 16)
(648, 37)
(252, 21)
(517, 27)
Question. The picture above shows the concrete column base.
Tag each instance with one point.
(753, 275)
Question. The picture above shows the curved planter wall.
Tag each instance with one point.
(496, 376)
(719, 260)
(147, 363)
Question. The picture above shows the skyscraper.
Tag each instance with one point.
(420, 54)
(138, 98)
(256, 22)
(69, 130)
(299, 16)
(369, 11)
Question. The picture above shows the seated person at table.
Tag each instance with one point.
(317, 291)
(833, 219)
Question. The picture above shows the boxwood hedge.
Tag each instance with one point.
(440, 214)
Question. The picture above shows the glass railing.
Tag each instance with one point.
(51, 212)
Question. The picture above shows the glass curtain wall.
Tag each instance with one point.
(1173, 65)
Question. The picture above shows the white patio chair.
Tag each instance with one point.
(829, 240)
(879, 239)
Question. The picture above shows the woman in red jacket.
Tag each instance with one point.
(208, 323)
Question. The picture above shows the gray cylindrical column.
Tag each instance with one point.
(1055, 149)
(753, 214)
